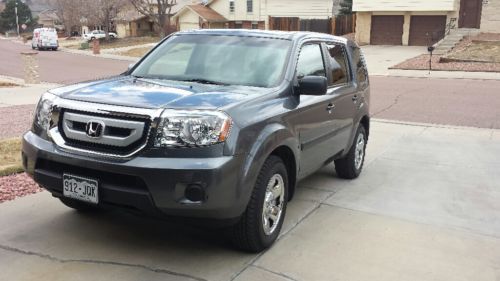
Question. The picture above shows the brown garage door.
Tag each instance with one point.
(426, 30)
(387, 30)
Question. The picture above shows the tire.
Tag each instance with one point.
(250, 233)
(351, 165)
(32, 47)
(78, 205)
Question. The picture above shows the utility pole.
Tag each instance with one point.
(17, 20)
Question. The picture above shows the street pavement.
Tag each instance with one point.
(425, 208)
(58, 67)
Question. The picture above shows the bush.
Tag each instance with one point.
(84, 45)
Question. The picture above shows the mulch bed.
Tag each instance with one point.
(17, 185)
(14, 121)
(421, 62)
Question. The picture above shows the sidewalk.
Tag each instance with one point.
(23, 94)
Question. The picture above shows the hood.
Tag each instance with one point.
(146, 93)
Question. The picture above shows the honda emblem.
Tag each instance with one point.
(94, 129)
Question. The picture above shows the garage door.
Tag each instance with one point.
(387, 30)
(426, 30)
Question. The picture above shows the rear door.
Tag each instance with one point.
(343, 97)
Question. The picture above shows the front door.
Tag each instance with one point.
(312, 117)
(470, 13)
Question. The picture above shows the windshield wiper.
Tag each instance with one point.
(203, 81)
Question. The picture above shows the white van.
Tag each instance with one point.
(45, 39)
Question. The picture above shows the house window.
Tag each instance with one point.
(249, 6)
(238, 25)
(255, 25)
(231, 6)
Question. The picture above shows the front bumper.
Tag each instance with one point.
(150, 185)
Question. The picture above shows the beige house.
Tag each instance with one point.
(421, 22)
(249, 14)
(129, 22)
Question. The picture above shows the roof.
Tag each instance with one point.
(48, 15)
(129, 15)
(285, 35)
(204, 12)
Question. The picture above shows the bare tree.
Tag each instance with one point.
(105, 12)
(160, 11)
(71, 13)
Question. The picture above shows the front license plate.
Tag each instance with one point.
(79, 188)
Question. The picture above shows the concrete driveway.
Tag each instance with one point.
(380, 58)
(425, 208)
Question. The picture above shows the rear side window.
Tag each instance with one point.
(338, 62)
(310, 61)
(359, 64)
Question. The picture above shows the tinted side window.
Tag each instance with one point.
(359, 63)
(310, 61)
(338, 62)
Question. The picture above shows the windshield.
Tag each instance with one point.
(210, 59)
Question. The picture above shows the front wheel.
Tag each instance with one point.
(351, 165)
(261, 223)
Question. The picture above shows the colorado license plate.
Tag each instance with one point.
(79, 188)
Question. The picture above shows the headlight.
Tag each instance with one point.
(192, 128)
(43, 114)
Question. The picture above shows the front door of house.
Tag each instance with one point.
(470, 13)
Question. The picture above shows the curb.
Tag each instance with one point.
(430, 125)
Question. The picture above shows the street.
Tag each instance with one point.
(424, 208)
(459, 102)
(58, 67)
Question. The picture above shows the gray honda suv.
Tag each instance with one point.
(211, 125)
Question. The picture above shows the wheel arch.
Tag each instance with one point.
(276, 140)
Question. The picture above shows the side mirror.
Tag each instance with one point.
(313, 85)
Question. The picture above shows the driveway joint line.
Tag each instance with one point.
(99, 262)
(275, 272)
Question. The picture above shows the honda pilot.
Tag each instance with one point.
(212, 125)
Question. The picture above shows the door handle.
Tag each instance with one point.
(330, 107)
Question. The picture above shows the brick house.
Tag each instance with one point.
(421, 22)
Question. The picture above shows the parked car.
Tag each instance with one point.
(98, 34)
(45, 39)
(215, 125)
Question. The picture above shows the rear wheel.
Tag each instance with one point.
(351, 165)
(261, 223)
(78, 205)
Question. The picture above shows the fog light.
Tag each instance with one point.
(194, 193)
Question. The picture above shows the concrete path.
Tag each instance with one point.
(425, 208)
(380, 58)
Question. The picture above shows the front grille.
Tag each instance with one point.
(120, 135)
